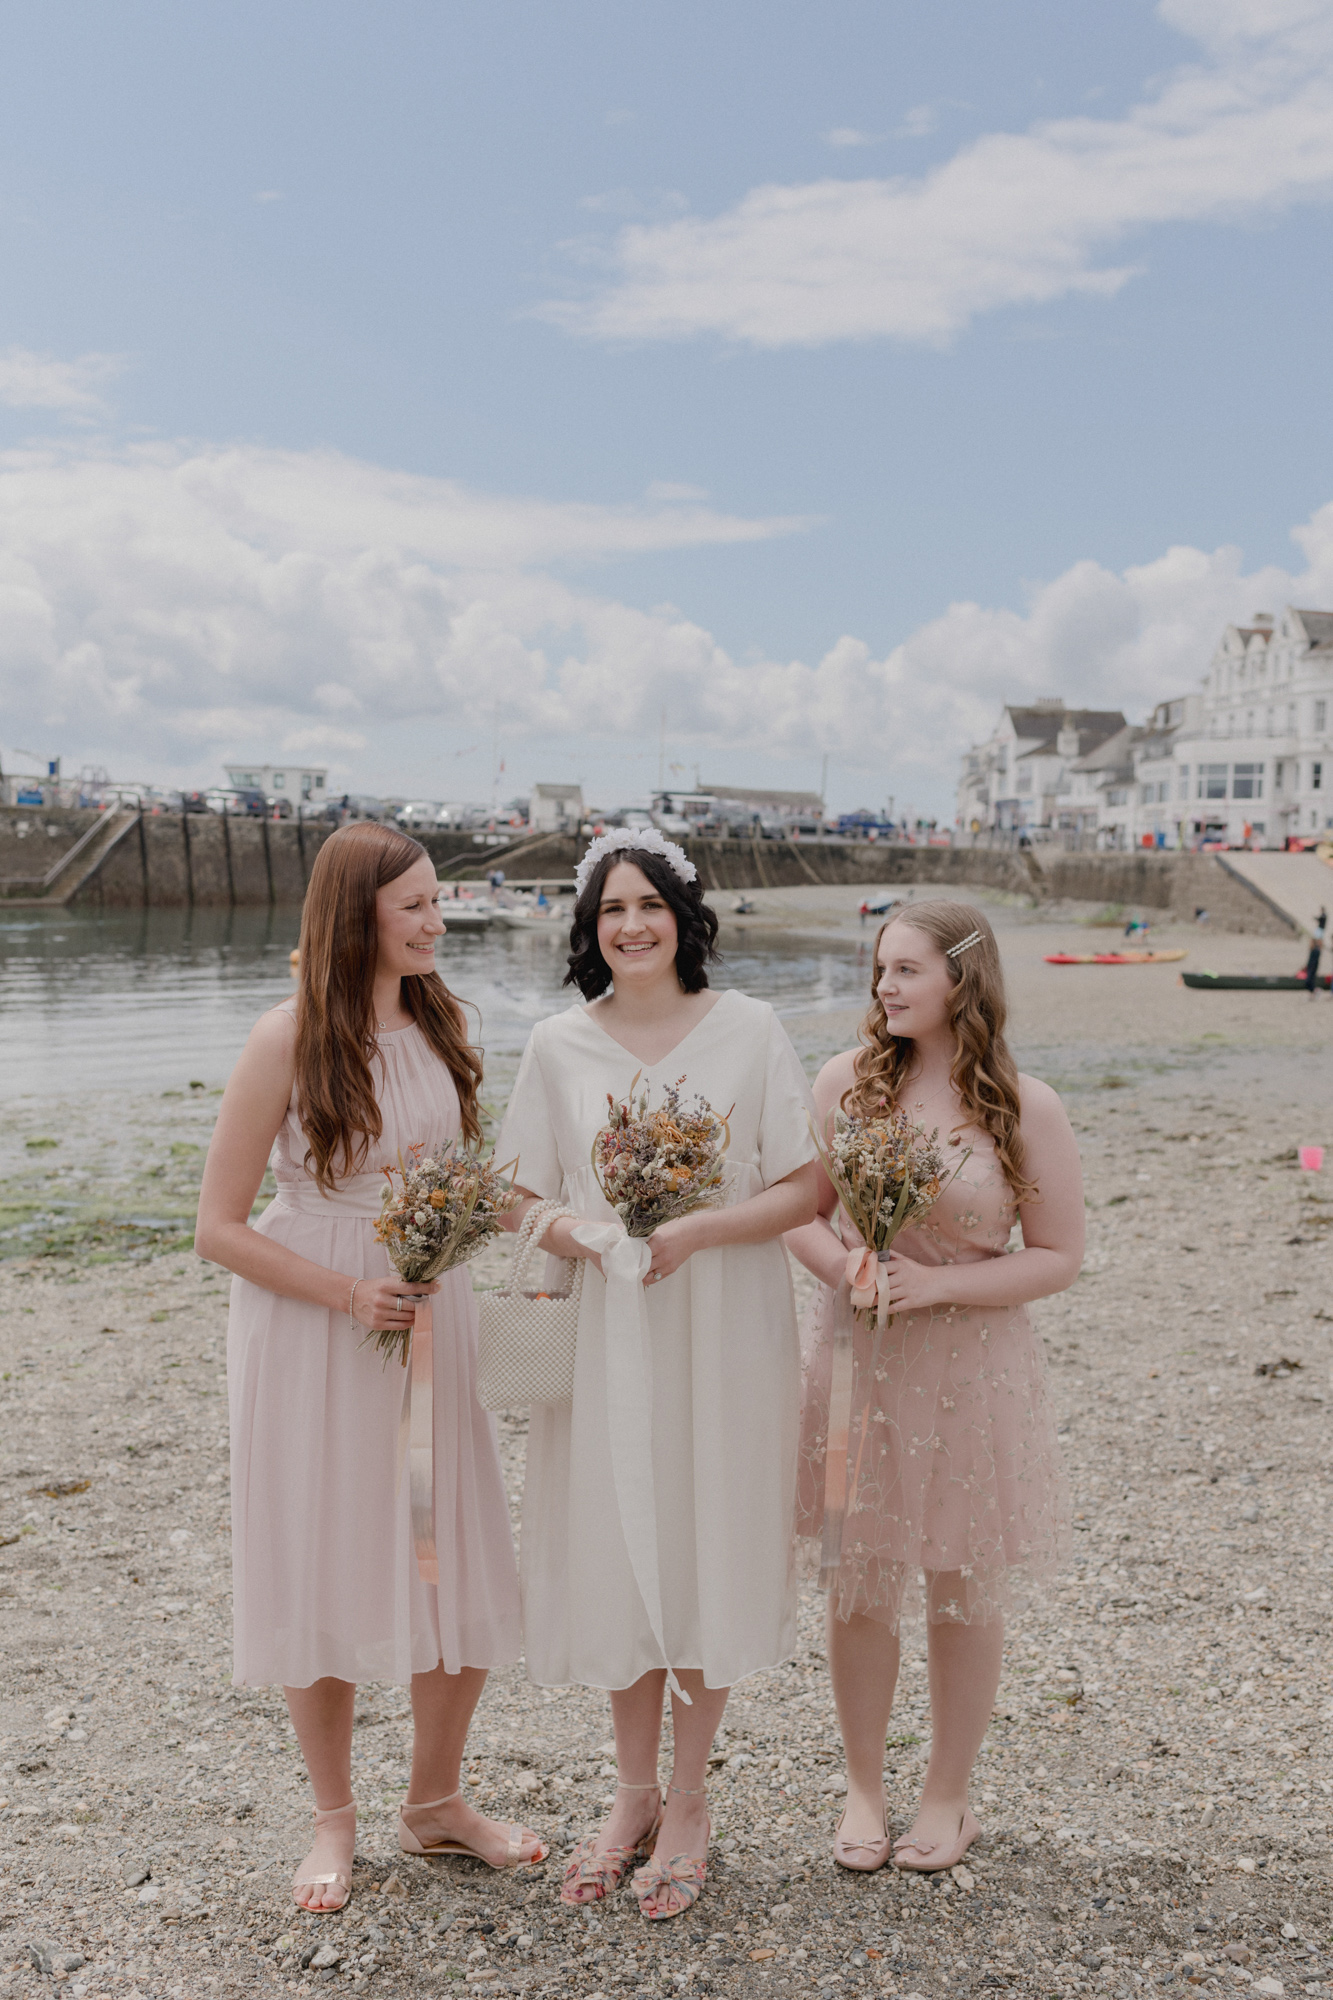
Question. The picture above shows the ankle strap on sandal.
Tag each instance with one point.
(655, 1786)
(425, 1805)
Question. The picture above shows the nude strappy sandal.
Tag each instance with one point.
(344, 1880)
(514, 1856)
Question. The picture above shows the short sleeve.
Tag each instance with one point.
(528, 1133)
(785, 1139)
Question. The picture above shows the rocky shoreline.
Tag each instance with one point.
(1156, 1788)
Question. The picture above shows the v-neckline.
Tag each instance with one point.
(675, 1047)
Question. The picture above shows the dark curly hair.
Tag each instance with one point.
(696, 924)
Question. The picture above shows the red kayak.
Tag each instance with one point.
(1113, 957)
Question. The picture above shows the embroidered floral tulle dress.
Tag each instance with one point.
(953, 1466)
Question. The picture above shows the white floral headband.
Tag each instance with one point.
(963, 944)
(645, 838)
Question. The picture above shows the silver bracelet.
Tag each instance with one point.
(351, 1301)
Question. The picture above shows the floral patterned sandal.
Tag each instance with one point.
(680, 1879)
(591, 1876)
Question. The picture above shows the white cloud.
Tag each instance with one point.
(848, 135)
(920, 121)
(162, 610)
(31, 381)
(1011, 219)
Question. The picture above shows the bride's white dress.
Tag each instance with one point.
(725, 1377)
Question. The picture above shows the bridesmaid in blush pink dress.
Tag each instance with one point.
(952, 1472)
(369, 1060)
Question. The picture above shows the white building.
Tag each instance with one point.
(1258, 766)
(1125, 792)
(556, 808)
(289, 781)
(1011, 783)
(1247, 760)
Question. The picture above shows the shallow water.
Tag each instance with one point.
(144, 1000)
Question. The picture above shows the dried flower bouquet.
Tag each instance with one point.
(438, 1212)
(654, 1166)
(888, 1173)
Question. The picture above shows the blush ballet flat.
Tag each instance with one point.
(934, 1860)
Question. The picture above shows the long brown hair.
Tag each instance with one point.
(982, 1072)
(335, 1011)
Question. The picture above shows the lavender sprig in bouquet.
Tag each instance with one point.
(438, 1212)
(654, 1166)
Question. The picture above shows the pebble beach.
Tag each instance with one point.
(1156, 1788)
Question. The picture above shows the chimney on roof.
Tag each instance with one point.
(1262, 618)
(1050, 704)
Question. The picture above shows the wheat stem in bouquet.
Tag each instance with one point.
(438, 1212)
(888, 1173)
(654, 1166)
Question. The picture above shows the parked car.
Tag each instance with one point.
(277, 807)
(194, 802)
(226, 799)
(417, 812)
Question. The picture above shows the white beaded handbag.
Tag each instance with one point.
(525, 1349)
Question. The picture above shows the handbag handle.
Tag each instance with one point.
(532, 1228)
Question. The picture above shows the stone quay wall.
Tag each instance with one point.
(173, 860)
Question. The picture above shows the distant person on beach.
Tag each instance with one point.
(953, 1473)
(371, 1058)
(1317, 937)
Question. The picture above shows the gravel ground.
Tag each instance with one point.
(1156, 1789)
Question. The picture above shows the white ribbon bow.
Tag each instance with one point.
(626, 1261)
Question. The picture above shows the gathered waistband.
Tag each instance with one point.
(361, 1195)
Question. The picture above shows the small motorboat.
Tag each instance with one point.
(463, 916)
(1253, 982)
(1113, 957)
(530, 918)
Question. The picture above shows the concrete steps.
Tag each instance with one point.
(1298, 885)
(73, 868)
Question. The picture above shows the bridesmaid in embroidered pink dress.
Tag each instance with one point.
(370, 1059)
(952, 1467)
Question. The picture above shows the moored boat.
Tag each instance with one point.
(1253, 982)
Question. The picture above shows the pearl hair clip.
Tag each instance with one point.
(626, 838)
(963, 944)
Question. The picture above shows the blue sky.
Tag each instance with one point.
(379, 384)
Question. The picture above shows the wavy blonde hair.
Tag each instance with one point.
(983, 1072)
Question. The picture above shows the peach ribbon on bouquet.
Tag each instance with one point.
(416, 1438)
(864, 1288)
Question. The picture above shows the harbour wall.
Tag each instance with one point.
(172, 860)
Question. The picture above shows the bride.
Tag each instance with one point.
(657, 1507)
